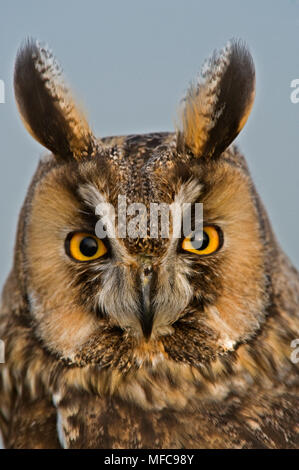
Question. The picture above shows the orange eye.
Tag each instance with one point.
(211, 242)
(83, 246)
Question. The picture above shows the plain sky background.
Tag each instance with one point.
(130, 61)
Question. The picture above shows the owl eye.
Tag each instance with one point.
(211, 242)
(83, 246)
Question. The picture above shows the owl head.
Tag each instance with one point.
(124, 300)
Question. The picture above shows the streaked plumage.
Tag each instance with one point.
(202, 358)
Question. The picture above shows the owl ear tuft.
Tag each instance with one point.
(46, 106)
(216, 108)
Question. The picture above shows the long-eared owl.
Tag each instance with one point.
(146, 341)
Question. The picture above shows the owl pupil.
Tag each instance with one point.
(88, 246)
(205, 242)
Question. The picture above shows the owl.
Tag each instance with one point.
(146, 341)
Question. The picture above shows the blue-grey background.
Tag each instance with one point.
(130, 62)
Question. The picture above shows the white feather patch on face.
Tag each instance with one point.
(92, 196)
(188, 193)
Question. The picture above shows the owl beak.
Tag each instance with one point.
(146, 316)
